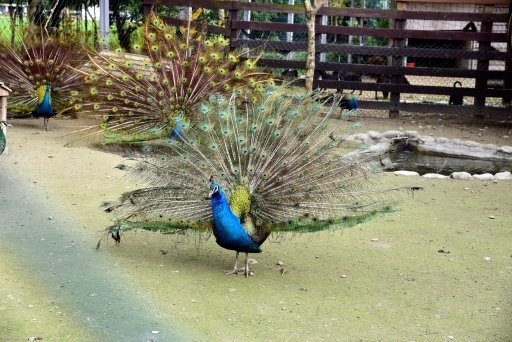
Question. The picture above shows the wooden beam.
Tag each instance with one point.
(364, 31)
(458, 2)
(373, 50)
(388, 70)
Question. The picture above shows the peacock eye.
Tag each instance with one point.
(216, 188)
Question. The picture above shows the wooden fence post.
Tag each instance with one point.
(483, 64)
(318, 41)
(397, 61)
(147, 9)
(507, 84)
(233, 14)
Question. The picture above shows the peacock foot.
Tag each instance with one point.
(235, 270)
(239, 271)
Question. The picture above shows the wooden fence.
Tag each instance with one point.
(395, 53)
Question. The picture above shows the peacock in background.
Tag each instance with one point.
(40, 72)
(267, 167)
(3, 142)
(139, 98)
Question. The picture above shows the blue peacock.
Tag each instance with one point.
(140, 98)
(3, 139)
(44, 106)
(41, 71)
(269, 167)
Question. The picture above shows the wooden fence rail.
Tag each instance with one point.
(396, 52)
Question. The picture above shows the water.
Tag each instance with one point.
(408, 159)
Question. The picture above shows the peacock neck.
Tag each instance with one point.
(47, 99)
(219, 202)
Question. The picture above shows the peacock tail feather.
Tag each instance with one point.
(38, 61)
(156, 93)
(275, 160)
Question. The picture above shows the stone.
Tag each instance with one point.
(375, 239)
(412, 134)
(505, 149)
(392, 134)
(492, 217)
(343, 275)
(406, 173)
(461, 175)
(503, 175)
(50, 218)
(484, 177)
(374, 135)
(487, 258)
(280, 263)
(382, 147)
(435, 176)
(252, 261)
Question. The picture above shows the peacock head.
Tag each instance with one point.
(4, 124)
(215, 189)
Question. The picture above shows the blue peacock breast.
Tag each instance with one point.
(227, 229)
(44, 108)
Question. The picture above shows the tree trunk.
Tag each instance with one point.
(310, 59)
(311, 9)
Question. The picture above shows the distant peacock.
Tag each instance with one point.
(3, 142)
(38, 71)
(140, 98)
(267, 167)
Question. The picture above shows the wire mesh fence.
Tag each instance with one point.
(424, 53)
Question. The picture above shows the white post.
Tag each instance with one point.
(186, 13)
(323, 36)
(351, 24)
(104, 23)
(289, 35)
(247, 16)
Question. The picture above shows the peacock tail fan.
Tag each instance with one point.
(156, 93)
(276, 161)
(37, 61)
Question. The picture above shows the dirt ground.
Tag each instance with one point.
(385, 280)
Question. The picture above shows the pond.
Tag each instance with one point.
(406, 157)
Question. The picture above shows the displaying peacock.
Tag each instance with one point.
(40, 73)
(144, 97)
(268, 167)
(3, 140)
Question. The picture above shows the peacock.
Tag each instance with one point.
(269, 167)
(3, 140)
(40, 72)
(140, 98)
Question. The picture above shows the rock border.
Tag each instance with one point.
(382, 142)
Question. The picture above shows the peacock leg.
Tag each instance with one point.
(235, 269)
(45, 120)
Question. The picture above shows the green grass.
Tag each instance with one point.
(86, 35)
